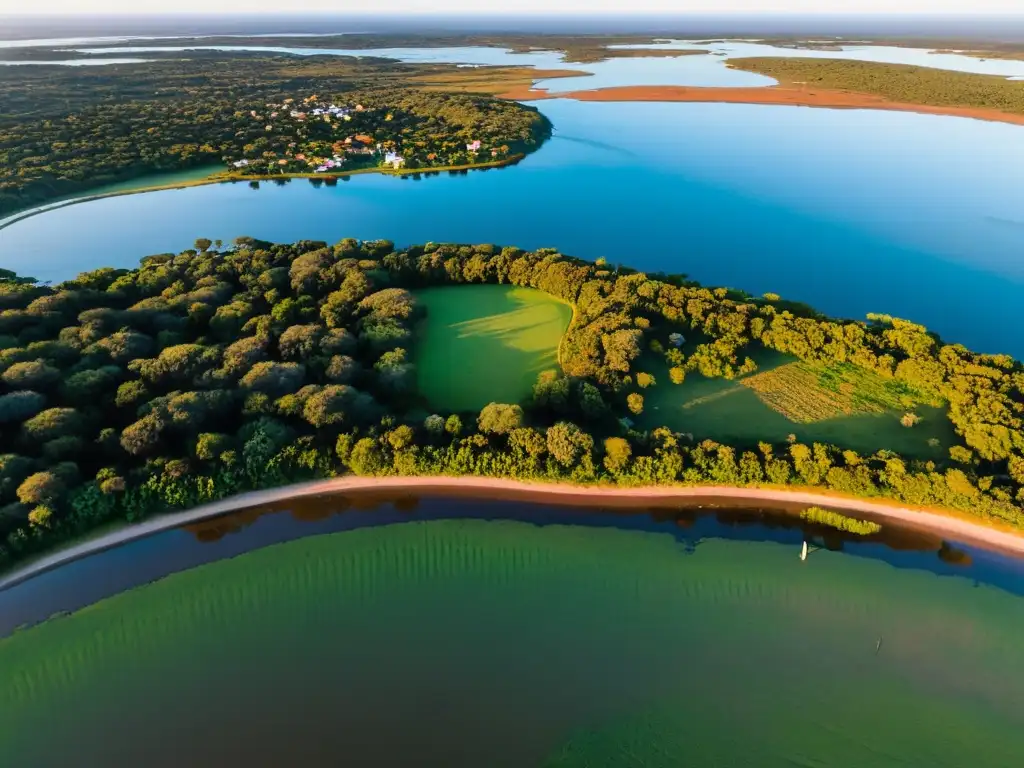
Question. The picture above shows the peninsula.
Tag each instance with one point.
(221, 370)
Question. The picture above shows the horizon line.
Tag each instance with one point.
(534, 14)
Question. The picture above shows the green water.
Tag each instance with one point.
(474, 643)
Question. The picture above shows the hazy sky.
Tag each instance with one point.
(510, 7)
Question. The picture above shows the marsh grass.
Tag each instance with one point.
(840, 522)
(486, 343)
(838, 404)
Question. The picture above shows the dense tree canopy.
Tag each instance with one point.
(126, 392)
(176, 115)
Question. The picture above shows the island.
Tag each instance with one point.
(225, 369)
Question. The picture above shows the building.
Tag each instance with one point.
(474, 146)
(676, 339)
(394, 159)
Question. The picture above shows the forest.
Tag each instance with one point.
(227, 368)
(175, 115)
(896, 82)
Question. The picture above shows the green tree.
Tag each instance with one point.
(41, 488)
(617, 453)
(567, 443)
(500, 418)
(635, 403)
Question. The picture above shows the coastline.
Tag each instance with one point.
(974, 532)
(230, 178)
(780, 95)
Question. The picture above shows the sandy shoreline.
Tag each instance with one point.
(783, 95)
(968, 531)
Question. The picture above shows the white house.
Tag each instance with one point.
(240, 163)
(474, 146)
(394, 159)
(676, 339)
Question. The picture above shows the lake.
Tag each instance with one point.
(853, 211)
(451, 632)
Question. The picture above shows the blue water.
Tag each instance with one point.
(854, 211)
(72, 62)
(703, 71)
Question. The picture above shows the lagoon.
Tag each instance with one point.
(464, 632)
(853, 211)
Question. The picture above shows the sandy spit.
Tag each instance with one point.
(782, 95)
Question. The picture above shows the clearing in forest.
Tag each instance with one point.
(840, 404)
(486, 343)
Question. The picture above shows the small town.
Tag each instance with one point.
(314, 136)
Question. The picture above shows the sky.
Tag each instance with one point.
(511, 7)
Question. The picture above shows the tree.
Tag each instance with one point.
(123, 346)
(367, 458)
(401, 437)
(299, 341)
(644, 380)
(500, 418)
(551, 391)
(202, 244)
(13, 470)
(341, 369)
(130, 393)
(274, 379)
(567, 443)
(210, 445)
(178, 363)
(635, 403)
(434, 425)
(528, 441)
(143, 436)
(18, 406)
(41, 488)
(34, 375)
(329, 405)
(621, 348)
(617, 453)
(338, 341)
(240, 356)
(395, 373)
(453, 426)
(88, 385)
(41, 516)
(677, 374)
(593, 405)
(52, 423)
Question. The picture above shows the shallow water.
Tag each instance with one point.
(853, 211)
(569, 638)
(72, 62)
(698, 70)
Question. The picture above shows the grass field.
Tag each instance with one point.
(842, 405)
(486, 343)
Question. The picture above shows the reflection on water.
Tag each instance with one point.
(764, 524)
(87, 581)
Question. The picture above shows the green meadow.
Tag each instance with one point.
(486, 343)
(839, 404)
